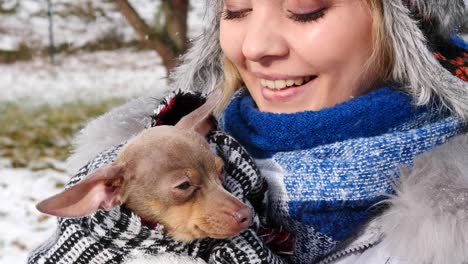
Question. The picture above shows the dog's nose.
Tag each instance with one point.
(243, 217)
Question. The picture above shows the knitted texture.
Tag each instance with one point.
(116, 235)
(264, 134)
(344, 160)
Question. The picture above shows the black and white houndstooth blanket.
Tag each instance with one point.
(116, 235)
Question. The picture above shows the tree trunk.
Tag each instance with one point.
(176, 23)
(163, 45)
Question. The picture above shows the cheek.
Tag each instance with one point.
(179, 216)
(332, 45)
(230, 38)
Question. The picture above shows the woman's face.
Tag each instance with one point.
(297, 55)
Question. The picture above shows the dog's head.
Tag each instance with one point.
(167, 175)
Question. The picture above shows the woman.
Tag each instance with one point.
(355, 113)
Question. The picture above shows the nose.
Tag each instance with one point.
(263, 37)
(243, 217)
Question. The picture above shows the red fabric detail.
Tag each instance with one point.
(168, 107)
(164, 110)
(149, 223)
(458, 65)
(279, 240)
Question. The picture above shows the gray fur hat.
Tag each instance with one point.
(416, 69)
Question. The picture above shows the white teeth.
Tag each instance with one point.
(289, 82)
(270, 84)
(298, 81)
(281, 84)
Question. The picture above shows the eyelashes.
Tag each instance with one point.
(308, 17)
(301, 18)
(231, 15)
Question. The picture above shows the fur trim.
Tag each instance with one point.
(417, 68)
(447, 14)
(428, 218)
(110, 129)
(201, 67)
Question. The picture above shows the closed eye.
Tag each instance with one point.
(308, 17)
(231, 15)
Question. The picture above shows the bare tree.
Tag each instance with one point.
(169, 36)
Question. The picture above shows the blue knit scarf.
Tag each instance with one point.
(337, 162)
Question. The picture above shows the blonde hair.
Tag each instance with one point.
(382, 58)
(380, 62)
(232, 82)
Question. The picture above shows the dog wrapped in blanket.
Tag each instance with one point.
(172, 221)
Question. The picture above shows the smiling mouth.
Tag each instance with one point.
(288, 83)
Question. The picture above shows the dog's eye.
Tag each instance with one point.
(183, 186)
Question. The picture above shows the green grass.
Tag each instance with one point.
(29, 136)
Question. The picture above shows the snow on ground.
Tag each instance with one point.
(22, 226)
(87, 76)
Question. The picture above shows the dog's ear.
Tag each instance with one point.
(199, 119)
(102, 189)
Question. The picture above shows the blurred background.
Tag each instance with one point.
(62, 63)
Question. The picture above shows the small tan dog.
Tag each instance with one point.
(168, 175)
